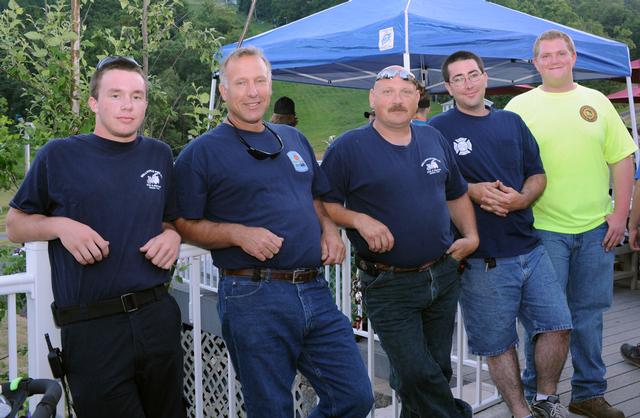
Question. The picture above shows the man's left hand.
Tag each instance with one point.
(333, 250)
(615, 234)
(462, 247)
(162, 250)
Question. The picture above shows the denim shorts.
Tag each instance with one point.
(522, 287)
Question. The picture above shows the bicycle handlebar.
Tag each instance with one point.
(50, 389)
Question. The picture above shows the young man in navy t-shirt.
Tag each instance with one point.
(401, 188)
(250, 191)
(105, 202)
(510, 275)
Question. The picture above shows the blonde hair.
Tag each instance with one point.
(551, 35)
(249, 51)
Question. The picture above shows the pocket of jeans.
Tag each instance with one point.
(367, 281)
(241, 288)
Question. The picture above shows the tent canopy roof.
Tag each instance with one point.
(346, 45)
(622, 96)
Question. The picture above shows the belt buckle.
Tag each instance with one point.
(129, 302)
(296, 274)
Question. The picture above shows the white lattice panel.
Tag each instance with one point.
(214, 381)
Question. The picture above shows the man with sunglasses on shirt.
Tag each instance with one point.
(397, 188)
(249, 191)
(105, 202)
(510, 275)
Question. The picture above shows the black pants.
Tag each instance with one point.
(127, 365)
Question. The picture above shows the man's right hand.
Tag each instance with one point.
(374, 232)
(85, 244)
(489, 196)
(258, 242)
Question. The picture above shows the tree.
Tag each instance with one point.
(35, 48)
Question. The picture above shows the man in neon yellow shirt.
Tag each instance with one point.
(581, 139)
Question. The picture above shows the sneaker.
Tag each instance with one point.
(549, 408)
(595, 408)
(631, 353)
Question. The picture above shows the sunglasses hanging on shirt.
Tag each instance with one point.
(254, 152)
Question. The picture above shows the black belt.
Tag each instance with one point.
(375, 268)
(129, 302)
(293, 276)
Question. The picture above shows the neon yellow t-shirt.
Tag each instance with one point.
(579, 134)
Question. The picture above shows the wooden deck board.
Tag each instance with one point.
(621, 324)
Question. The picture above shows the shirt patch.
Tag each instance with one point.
(462, 146)
(588, 113)
(298, 163)
(153, 179)
(432, 165)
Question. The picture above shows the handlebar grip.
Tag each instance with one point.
(51, 391)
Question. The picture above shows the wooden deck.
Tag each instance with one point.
(622, 324)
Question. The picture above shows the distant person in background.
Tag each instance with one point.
(424, 107)
(630, 352)
(370, 116)
(284, 112)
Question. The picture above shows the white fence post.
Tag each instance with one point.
(40, 320)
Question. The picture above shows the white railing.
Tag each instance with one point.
(35, 283)
(479, 394)
(196, 262)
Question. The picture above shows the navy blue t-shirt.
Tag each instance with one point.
(498, 146)
(123, 191)
(218, 180)
(404, 187)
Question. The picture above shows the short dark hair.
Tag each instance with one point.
(460, 56)
(424, 101)
(116, 64)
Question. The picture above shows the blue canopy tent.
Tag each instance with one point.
(346, 45)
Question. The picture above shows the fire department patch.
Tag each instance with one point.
(588, 113)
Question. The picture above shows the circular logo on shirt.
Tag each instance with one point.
(462, 146)
(588, 113)
(432, 165)
(153, 179)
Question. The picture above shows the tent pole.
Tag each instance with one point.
(406, 56)
(212, 97)
(632, 114)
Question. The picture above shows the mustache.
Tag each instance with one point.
(398, 108)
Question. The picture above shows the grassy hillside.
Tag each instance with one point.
(324, 111)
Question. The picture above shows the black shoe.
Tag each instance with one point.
(631, 353)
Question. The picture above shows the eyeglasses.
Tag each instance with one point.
(254, 152)
(116, 59)
(472, 78)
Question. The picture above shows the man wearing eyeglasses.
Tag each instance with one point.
(582, 143)
(249, 191)
(402, 188)
(510, 275)
(105, 202)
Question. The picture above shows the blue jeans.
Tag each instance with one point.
(413, 314)
(272, 327)
(585, 272)
(523, 286)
